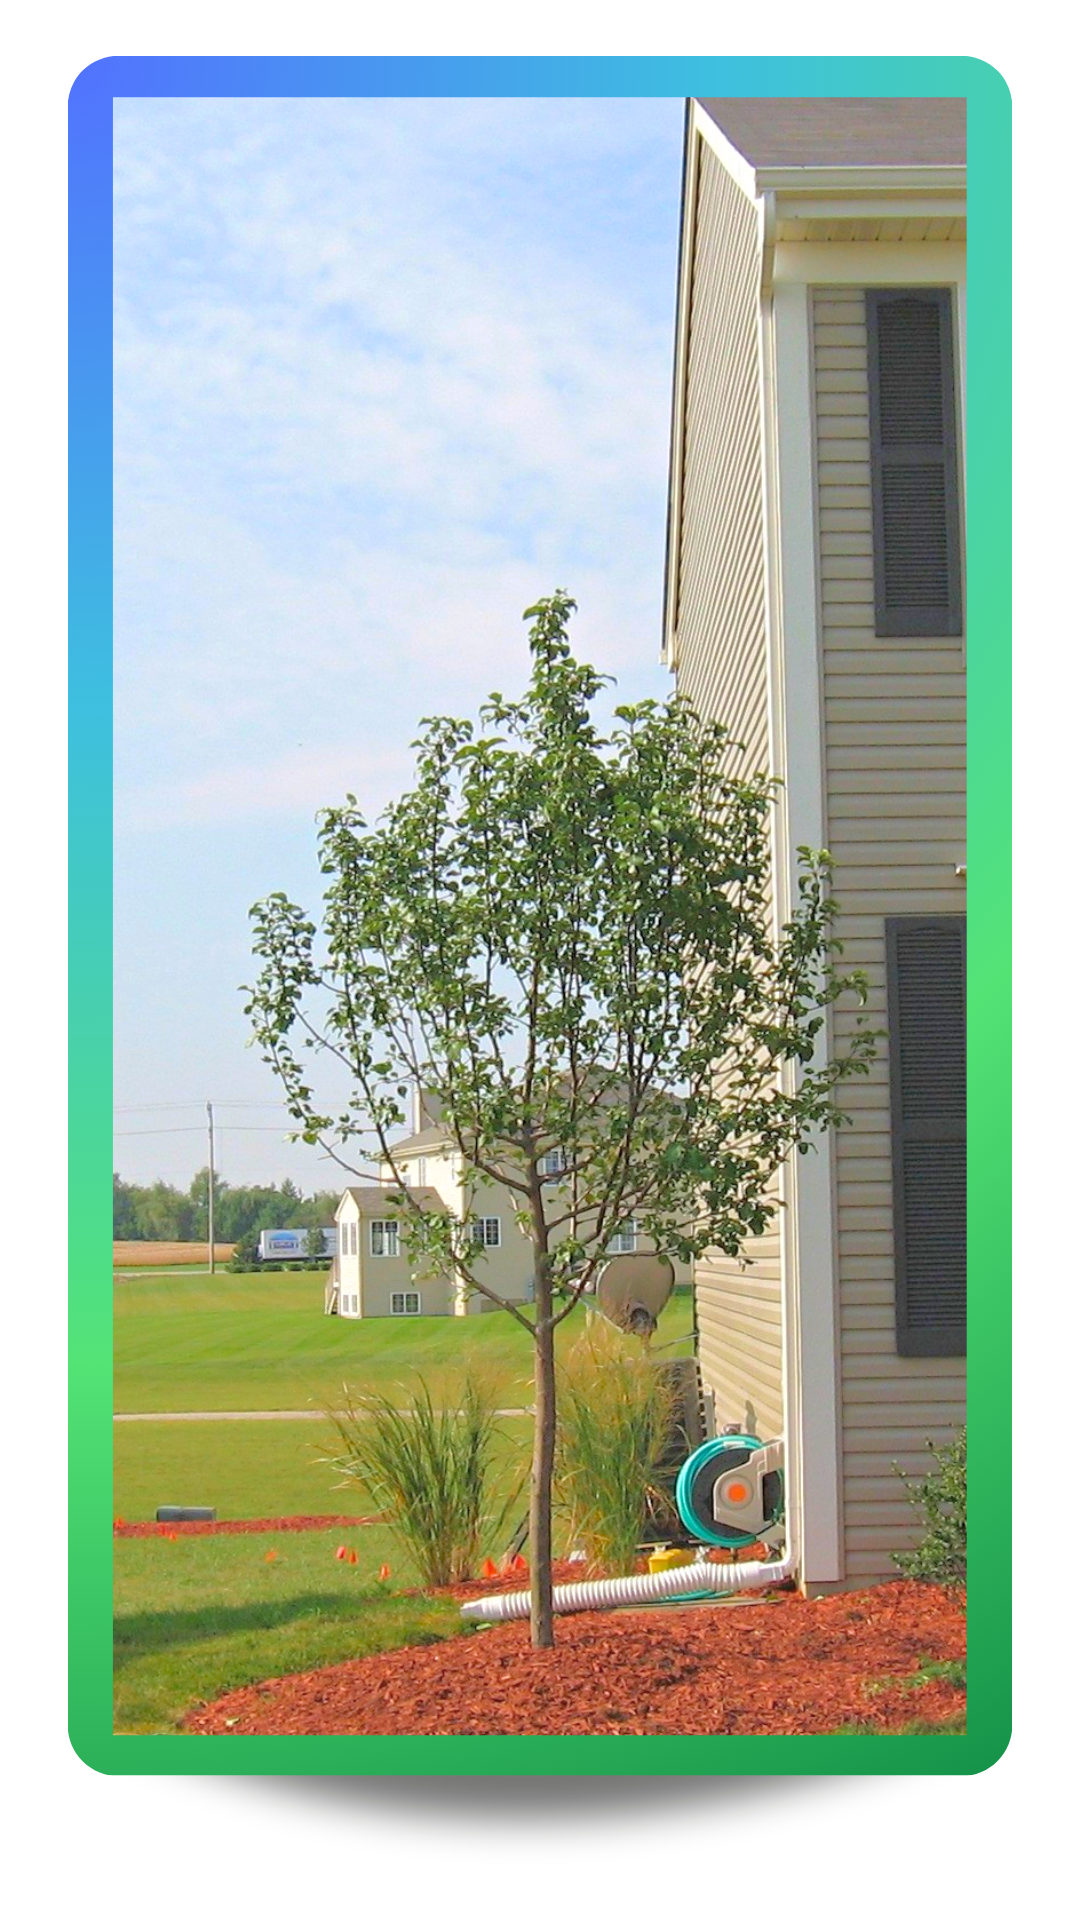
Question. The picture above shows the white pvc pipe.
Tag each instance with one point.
(582, 1595)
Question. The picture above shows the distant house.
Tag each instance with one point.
(371, 1273)
(815, 602)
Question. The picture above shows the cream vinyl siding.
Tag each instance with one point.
(722, 669)
(894, 749)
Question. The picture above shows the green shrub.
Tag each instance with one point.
(434, 1475)
(245, 1254)
(941, 1500)
(615, 1408)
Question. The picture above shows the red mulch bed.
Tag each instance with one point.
(285, 1523)
(784, 1666)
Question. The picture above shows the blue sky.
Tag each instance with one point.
(386, 372)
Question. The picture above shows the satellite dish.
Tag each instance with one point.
(633, 1290)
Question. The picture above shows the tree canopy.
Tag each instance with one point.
(163, 1212)
(566, 933)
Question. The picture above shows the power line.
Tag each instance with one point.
(182, 1106)
(132, 1133)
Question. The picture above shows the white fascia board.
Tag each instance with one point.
(856, 180)
(869, 263)
(871, 206)
(699, 127)
(669, 644)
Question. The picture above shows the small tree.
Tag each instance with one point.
(568, 939)
(245, 1254)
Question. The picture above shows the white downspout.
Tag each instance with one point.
(583, 1595)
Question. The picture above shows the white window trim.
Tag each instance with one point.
(478, 1230)
(405, 1312)
(627, 1231)
(388, 1230)
(553, 1162)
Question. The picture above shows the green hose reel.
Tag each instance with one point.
(730, 1492)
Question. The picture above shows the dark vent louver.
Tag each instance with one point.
(926, 981)
(913, 463)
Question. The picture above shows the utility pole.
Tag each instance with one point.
(210, 1183)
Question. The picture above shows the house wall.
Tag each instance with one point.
(348, 1266)
(373, 1279)
(507, 1268)
(722, 667)
(443, 1172)
(894, 749)
(385, 1275)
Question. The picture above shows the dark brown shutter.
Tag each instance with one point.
(927, 1054)
(913, 462)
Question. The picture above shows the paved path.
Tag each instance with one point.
(296, 1413)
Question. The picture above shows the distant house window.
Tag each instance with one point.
(404, 1303)
(915, 486)
(624, 1239)
(553, 1162)
(384, 1240)
(925, 972)
(421, 1172)
(486, 1232)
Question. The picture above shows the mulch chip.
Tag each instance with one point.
(788, 1666)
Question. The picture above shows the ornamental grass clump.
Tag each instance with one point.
(616, 1408)
(434, 1474)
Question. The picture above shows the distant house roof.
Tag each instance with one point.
(844, 133)
(376, 1199)
(417, 1142)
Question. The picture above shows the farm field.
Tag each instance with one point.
(236, 1342)
(166, 1253)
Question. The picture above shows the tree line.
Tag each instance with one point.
(163, 1212)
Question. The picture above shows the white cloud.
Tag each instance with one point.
(297, 783)
(365, 414)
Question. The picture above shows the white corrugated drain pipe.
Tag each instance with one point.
(583, 1595)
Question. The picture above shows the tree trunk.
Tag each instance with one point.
(543, 1464)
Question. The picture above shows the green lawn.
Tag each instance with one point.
(934, 1727)
(189, 1342)
(196, 1617)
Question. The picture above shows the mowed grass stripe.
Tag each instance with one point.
(235, 1343)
